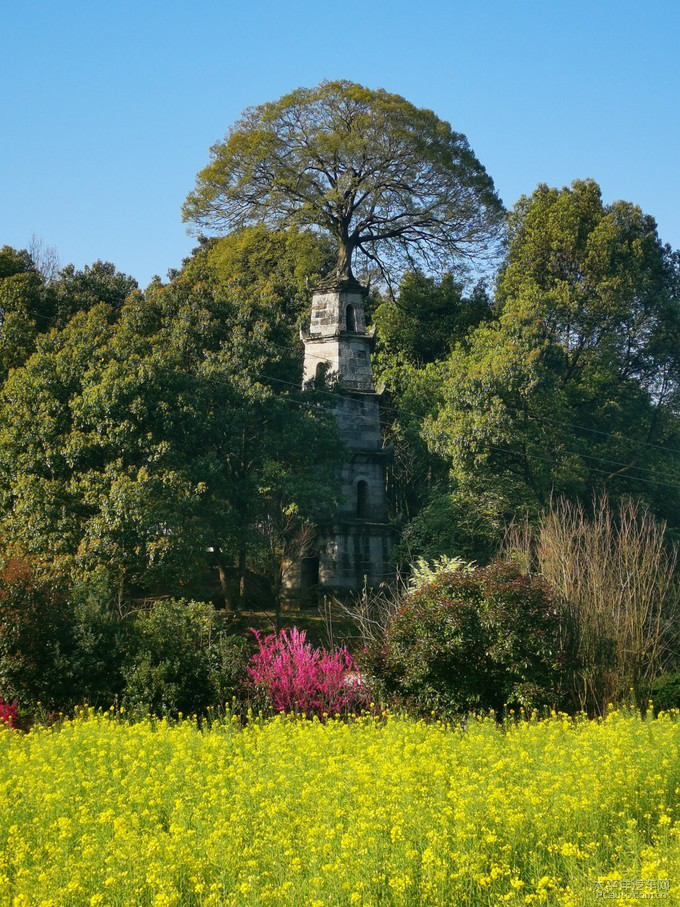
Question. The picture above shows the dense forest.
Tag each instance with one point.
(142, 429)
(158, 444)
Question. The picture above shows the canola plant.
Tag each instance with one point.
(101, 810)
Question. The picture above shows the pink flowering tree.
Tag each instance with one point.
(296, 677)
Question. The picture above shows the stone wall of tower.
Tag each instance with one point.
(358, 545)
(347, 356)
(343, 348)
(359, 420)
(329, 311)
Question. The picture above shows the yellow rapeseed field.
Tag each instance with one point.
(389, 810)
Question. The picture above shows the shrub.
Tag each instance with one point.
(295, 677)
(463, 522)
(98, 642)
(470, 640)
(182, 659)
(64, 644)
(615, 581)
(665, 692)
(59, 644)
(423, 572)
(35, 634)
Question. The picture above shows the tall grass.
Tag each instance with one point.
(615, 576)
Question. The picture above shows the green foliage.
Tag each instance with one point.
(24, 308)
(372, 171)
(412, 393)
(182, 659)
(98, 641)
(425, 572)
(139, 437)
(426, 319)
(15, 261)
(415, 332)
(665, 692)
(484, 639)
(35, 638)
(79, 290)
(573, 385)
(147, 437)
(30, 306)
(59, 645)
(454, 524)
(268, 272)
(63, 645)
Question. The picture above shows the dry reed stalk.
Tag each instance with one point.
(617, 584)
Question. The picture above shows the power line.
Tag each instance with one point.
(306, 404)
(372, 421)
(574, 453)
(596, 431)
(360, 417)
(395, 412)
(534, 417)
(604, 472)
(553, 462)
(596, 459)
(317, 408)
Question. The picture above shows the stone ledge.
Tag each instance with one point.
(331, 284)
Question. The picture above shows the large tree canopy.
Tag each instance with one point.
(30, 305)
(575, 386)
(142, 434)
(379, 175)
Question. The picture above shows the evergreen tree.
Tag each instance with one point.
(574, 387)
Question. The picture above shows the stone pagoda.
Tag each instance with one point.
(356, 548)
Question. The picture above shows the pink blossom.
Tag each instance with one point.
(299, 678)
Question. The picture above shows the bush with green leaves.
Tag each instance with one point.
(469, 640)
(425, 572)
(182, 659)
(60, 644)
(665, 692)
(35, 635)
(98, 641)
(63, 644)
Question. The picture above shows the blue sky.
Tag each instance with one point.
(108, 110)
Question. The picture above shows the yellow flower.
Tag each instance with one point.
(284, 811)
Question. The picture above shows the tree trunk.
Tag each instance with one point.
(242, 577)
(276, 593)
(343, 268)
(342, 272)
(224, 585)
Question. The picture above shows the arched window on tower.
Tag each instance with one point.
(350, 318)
(321, 372)
(362, 499)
